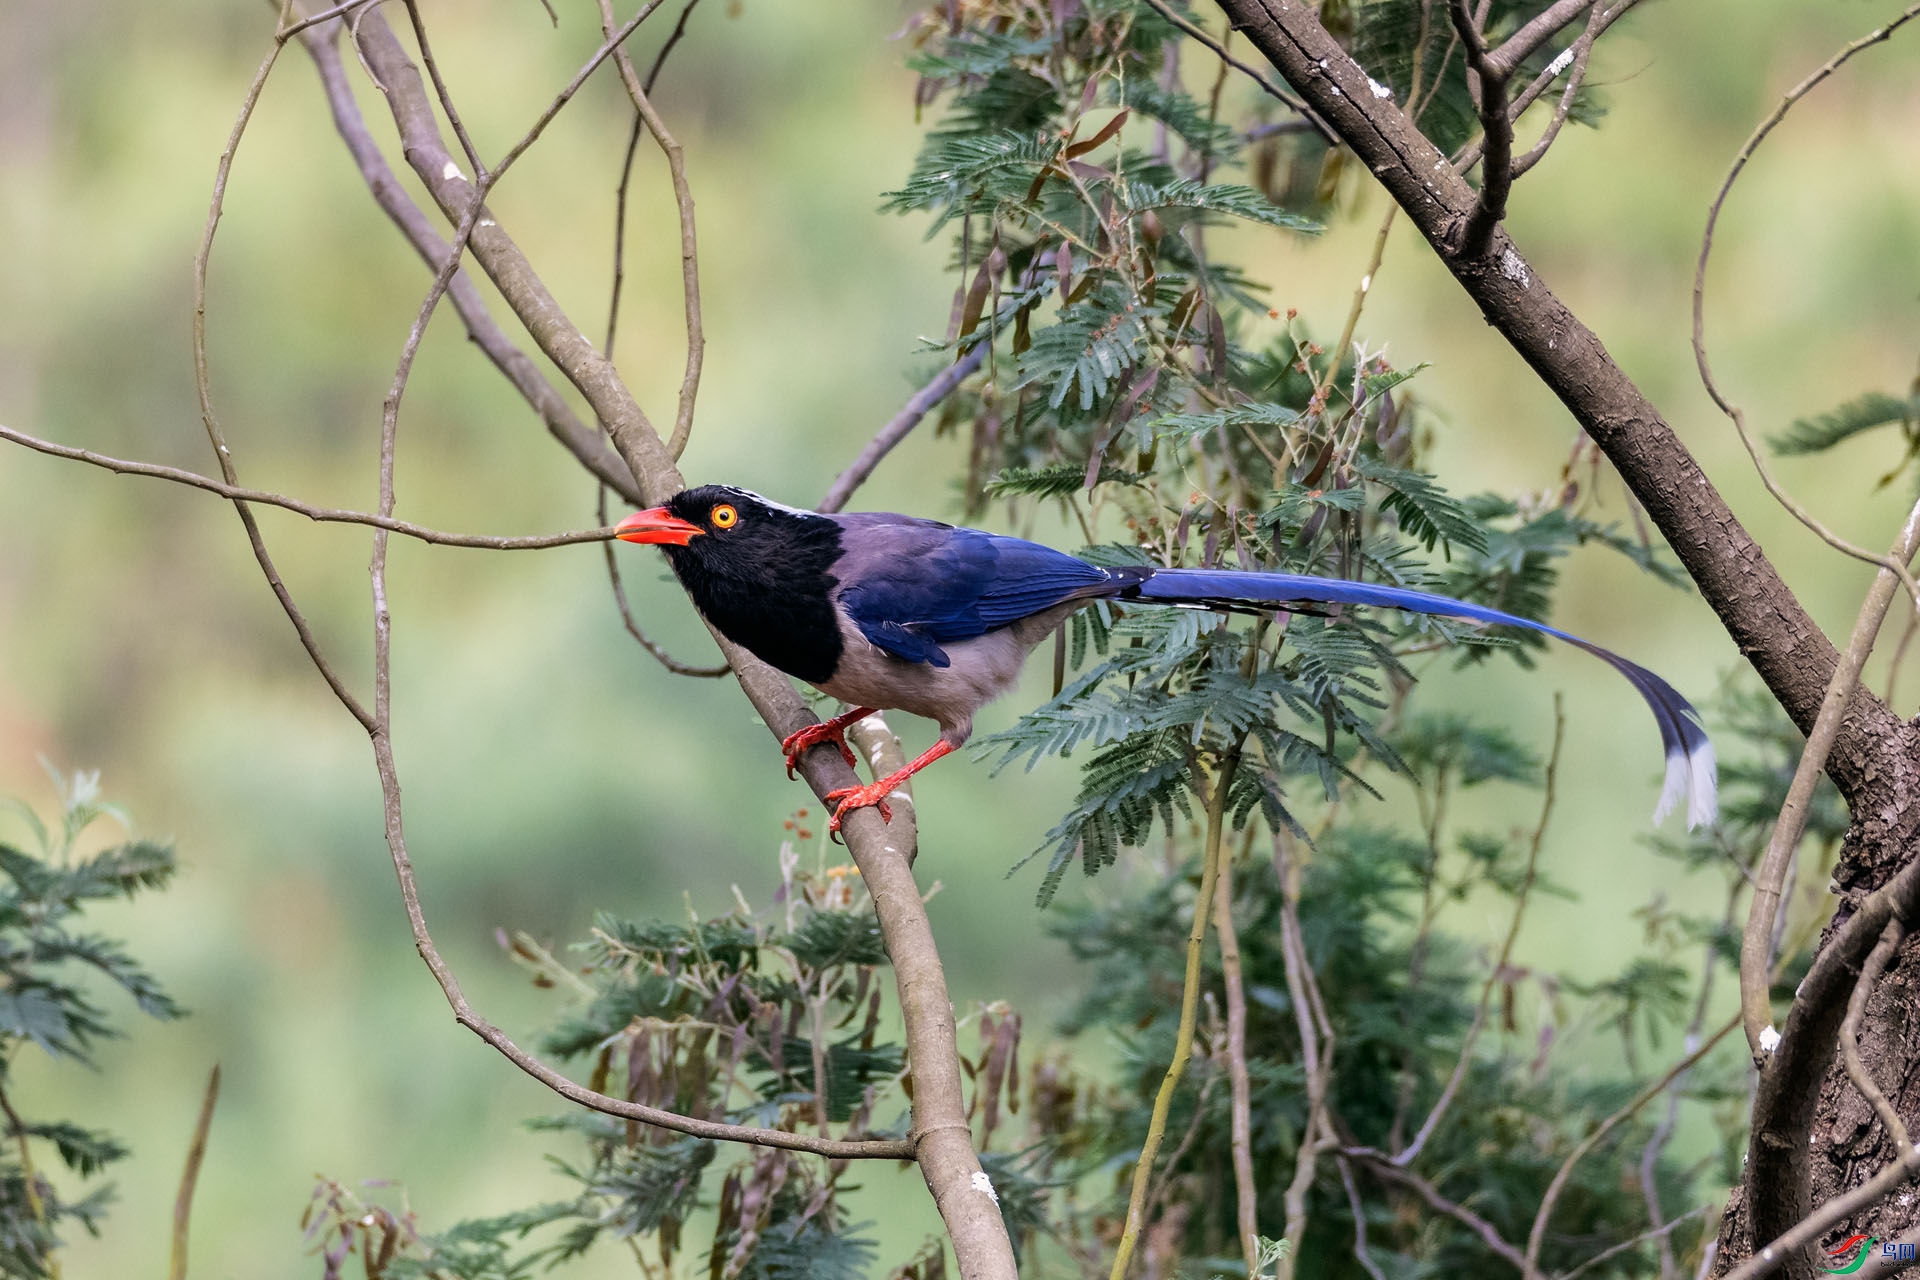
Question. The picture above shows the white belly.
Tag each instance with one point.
(981, 670)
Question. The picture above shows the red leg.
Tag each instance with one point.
(876, 793)
(834, 731)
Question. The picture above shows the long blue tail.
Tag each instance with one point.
(1690, 763)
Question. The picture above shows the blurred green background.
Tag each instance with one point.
(550, 766)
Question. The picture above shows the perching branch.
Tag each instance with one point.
(941, 1139)
(324, 515)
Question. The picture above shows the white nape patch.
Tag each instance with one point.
(1513, 269)
(764, 501)
(1379, 90)
(452, 171)
(1560, 63)
(984, 1185)
(1769, 1041)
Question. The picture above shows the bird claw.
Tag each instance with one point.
(873, 795)
(798, 744)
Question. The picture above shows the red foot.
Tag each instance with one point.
(873, 795)
(798, 744)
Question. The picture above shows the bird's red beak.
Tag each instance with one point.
(658, 527)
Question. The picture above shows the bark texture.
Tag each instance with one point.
(1813, 1135)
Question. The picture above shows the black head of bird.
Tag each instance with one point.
(890, 612)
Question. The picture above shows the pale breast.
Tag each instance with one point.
(979, 670)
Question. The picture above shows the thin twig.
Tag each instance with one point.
(29, 1178)
(1659, 1233)
(1469, 155)
(1316, 1038)
(898, 426)
(683, 203)
(1576, 76)
(1245, 1190)
(323, 515)
(203, 385)
(582, 441)
(1489, 1235)
(1361, 1254)
(1541, 28)
(1895, 565)
(626, 177)
(1447, 1093)
(1161, 1180)
(1756, 942)
(286, 33)
(190, 1177)
(1850, 1037)
(1488, 82)
(1537, 1236)
(1272, 90)
(1189, 1004)
(941, 1141)
(446, 96)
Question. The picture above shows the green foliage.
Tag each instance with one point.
(1139, 381)
(1818, 434)
(50, 973)
(720, 1019)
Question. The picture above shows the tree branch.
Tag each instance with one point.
(325, 515)
(1761, 614)
(1538, 1235)
(898, 426)
(1384, 1166)
(579, 439)
(1894, 564)
(190, 1177)
(683, 204)
(1580, 50)
(1539, 29)
(1756, 942)
(1307, 118)
(1488, 84)
(941, 1139)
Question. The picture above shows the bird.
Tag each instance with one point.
(893, 612)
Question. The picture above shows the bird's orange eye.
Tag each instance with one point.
(724, 517)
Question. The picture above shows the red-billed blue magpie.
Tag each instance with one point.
(885, 611)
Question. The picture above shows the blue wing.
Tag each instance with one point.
(911, 586)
